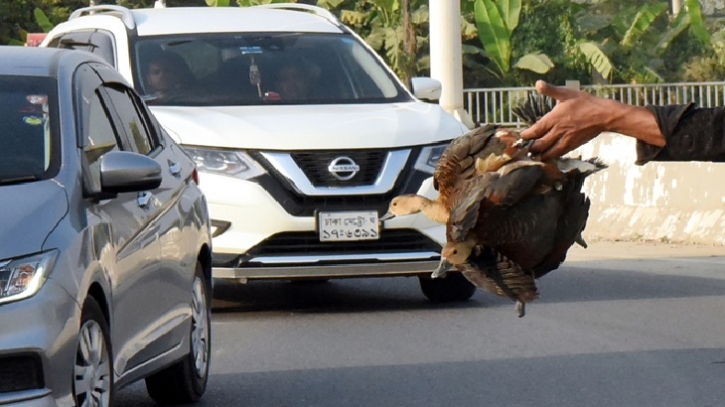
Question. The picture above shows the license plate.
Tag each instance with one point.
(345, 226)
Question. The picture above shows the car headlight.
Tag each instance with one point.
(429, 157)
(225, 162)
(22, 277)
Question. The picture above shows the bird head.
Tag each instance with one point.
(457, 252)
(453, 254)
(403, 205)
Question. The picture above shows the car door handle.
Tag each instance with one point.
(144, 198)
(174, 168)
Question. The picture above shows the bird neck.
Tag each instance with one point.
(434, 210)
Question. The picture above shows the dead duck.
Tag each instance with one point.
(528, 213)
(481, 150)
(485, 148)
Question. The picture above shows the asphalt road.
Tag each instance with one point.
(619, 324)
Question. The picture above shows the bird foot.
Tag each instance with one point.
(520, 308)
(580, 241)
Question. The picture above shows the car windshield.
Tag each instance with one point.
(27, 116)
(259, 69)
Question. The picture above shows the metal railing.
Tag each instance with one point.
(494, 105)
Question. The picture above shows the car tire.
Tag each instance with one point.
(453, 287)
(185, 381)
(93, 372)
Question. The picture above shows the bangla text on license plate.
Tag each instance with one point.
(340, 226)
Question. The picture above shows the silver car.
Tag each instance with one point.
(105, 242)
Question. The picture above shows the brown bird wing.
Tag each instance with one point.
(503, 188)
(575, 212)
(457, 163)
(489, 270)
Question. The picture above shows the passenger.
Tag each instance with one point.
(167, 73)
(293, 83)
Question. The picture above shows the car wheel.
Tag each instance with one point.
(185, 381)
(454, 287)
(93, 373)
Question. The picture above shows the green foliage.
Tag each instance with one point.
(547, 28)
(536, 62)
(497, 22)
(494, 34)
(381, 24)
(42, 20)
(595, 54)
(708, 66)
(246, 3)
(511, 42)
(18, 17)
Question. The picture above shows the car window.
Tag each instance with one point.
(27, 123)
(261, 68)
(101, 137)
(134, 120)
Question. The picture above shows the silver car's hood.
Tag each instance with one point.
(28, 213)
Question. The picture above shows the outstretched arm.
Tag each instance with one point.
(579, 117)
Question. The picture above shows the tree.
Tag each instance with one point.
(634, 43)
(496, 22)
(399, 36)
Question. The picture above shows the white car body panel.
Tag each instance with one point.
(304, 127)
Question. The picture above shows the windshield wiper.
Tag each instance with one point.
(20, 178)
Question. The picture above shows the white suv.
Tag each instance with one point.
(295, 181)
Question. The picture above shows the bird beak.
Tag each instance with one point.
(442, 269)
(387, 216)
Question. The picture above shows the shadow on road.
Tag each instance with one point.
(595, 280)
(340, 295)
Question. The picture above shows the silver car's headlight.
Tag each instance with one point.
(22, 277)
(429, 157)
(225, 162)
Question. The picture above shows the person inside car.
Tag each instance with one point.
(293, 83)
(167, 74)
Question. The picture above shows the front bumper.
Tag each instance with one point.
(262, 240)
(37, 348)
(322, 270)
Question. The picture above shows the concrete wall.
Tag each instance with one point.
(669, 202)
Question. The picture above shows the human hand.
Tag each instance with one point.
(577, 118)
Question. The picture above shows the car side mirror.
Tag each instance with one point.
(124, 171)
(426, 88)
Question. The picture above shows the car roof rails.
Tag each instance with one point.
(117, 11)
(319, 11)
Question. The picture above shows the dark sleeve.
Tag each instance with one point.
(691, 134)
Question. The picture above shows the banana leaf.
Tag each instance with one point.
(510, 11)
(681, 23)
(493, 34)
(642, 22)
(596, 56)
(697, 25)
(536, 62)
(42, 20)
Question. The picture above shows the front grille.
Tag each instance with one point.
(315, 166)
(18, 373)
(297, 204)
(308, 244)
